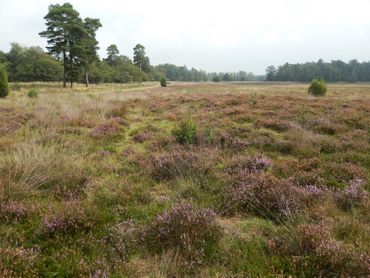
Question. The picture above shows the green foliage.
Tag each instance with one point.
(335, 71)
(216, 78)
(163, 81)
(186, 132)
(140, 58)
(32, 93)
(317, 87)
(4, 87)
(27, 64)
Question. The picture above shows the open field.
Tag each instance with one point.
(192, 180)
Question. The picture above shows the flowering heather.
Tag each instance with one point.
(313, 248)
(120, 241)
(68, 219)
(266, 196)
(193, 231)
(107, 129)
(142, 137)
(13, 211)
(16, 262)
(182, 163)
(244, 165)
(352, 196)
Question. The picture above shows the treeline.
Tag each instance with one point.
(72, 57)
(335, 71)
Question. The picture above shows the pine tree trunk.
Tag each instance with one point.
(64, 70)
(86, 75)
(71, 70)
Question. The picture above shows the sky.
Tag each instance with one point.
(213, 35)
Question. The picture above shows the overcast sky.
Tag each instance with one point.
(214, 35)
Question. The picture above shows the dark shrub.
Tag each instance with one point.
(4, 87)
(317, 87)
(265, 196)
(186, 132)
(193, 232)
(163, 81)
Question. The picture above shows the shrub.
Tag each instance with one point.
(243, 165)
(182, 163)
(352, 196)
(313, 253)
(265, 196)
(120, 241)
(317, 88)
(32, 93)
(193, 232)
(107, 129)
(163, 81)
(186, 132)
(71, 217)
(4, 87)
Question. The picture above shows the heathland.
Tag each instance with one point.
(197, 180)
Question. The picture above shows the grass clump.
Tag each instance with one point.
(317, 87)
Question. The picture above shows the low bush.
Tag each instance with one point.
(187, 163)
(71, 217)
(317, 87)
(193, 232)
(185, 132)
(265, 196)
(352, 196)
(244, 165)
(107, 129)
(32, 93)
(313, 253)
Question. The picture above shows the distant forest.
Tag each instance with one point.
(72, 57)
(335, 71)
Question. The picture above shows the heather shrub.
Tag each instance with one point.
(312, 252)
(317, 87)
(4, 87)
(265, 196)
(12, 211)
(70, 217)
(352, 196)
(186, 163)
(185, 132)
(32, 93)
(18, 262)
(107, 129)
(193, 232)
(244, 165)
(338, 174)
(120, 242)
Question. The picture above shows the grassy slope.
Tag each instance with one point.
(78, 182)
